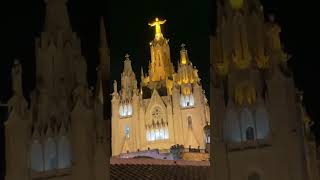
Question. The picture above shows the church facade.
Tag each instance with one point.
(260, 128)
(168, 107)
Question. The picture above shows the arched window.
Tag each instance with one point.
(189, 122)
(50, 155)
(121, 111)
(157, 134)
(166, 133)
(254, 176)
(36, 156)
(262, 123)
(232, 131)
(152, 135)
(247, 123)
(191, 100)
(127, 131)
(250, 134)
(125, 110)
(129, 110)
(161, 133)
(64, 153)
(148, 135)
(187, 100)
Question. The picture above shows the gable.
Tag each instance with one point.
(156, 100)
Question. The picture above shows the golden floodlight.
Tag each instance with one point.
(157, 24)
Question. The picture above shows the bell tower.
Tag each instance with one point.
(160, 67)
(255, 117)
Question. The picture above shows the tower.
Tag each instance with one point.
(257, 129)
(160, 67)
(125, 108)
(61, 134)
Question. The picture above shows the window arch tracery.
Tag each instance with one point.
(159, 128)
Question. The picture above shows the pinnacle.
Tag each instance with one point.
(103, 36)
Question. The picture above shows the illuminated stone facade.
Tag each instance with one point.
(260, 130)
(168, 107)
(61, 134)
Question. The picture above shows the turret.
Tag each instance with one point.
(102, 151)
(17, 130)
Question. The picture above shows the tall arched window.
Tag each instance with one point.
(161, 133)
(125, 110)
(247, 123)
(189, 122)
(250, 134)
(36, 156)
(166, 133)
(262, 123)
(127, 131)
(254, 176)
(232, 131)
(187, 101)
(50, 155)
(64, 153)
(152, 135)
(157, 134)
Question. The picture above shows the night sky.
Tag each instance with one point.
(188, 21)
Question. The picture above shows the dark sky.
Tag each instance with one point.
(188, 21)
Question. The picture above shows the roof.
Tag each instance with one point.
(143, 169)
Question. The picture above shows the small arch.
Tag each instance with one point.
(250, 134)
(152, 135)
(36, 156)
(246, 123)
(232, 131)
(64, 154)
(127, 131)
(189, 122)
(50, 155)
(262, 123)
(161, 134)
(166, 133)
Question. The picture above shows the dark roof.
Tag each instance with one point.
(144, 169)
(144, 172)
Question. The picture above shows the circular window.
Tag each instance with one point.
(157, 114)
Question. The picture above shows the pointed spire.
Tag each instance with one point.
(54, 21)
(103, 36)
(183, 54)
(142, 74)
(16, 75)
(127, 65)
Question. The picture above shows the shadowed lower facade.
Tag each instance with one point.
(260, 130)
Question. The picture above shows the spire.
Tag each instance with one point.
(103, 36)
(183, 54)
(57, 18)
(17, 78)
(142, 74)
(127, 65)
